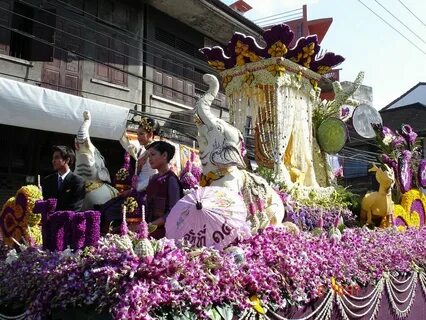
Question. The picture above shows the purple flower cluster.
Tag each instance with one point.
(64, 229)
(280, 35)
(309, 218)
(400, 152)
(191, 173)
(276, 266)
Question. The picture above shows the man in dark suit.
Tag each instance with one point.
(64, 185)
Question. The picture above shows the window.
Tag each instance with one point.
(178, 43)
(30, 39)
(20, 45)
(114, 12)
(111, 52)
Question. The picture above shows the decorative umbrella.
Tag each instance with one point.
(209, 216)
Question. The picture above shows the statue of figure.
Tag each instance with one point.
(221, 154)
(90, 165)
(377, 207)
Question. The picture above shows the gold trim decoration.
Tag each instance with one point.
(93, 185)
(144, 123)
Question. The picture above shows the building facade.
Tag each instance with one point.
(142, 55)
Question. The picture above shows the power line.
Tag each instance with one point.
(279, 19)
(95, 60)
(278, 14)
(412, 13)
(141, 61)
(377, 15)
(401, 22)
(133, 36)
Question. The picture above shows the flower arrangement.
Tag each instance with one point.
(123, 177)
(17, 220)
(401, 152)
(273, 268)
(63, 229)
(243, 49)
(191, 174)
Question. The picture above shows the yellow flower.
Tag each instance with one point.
(240, 60)
(122, 174)
(248, 78)
(338, 289)
(323, 69)
(314, 83)
(218, 65)
(242, 51)
(34, 219)
(131, 204)
(256, 303)
(226, 80)
(297, 59)
(276, 69)
(308, 50)
(253, 57)
(307, 62)
(32, 194)
(412, 218)
(299, 76)
(241, 48)
(278, 49)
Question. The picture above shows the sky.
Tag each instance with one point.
(392, 65)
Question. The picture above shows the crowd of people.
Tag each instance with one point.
(157, 187)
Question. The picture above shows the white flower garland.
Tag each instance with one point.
(410, 288)
(18, 317)
(324, 310)
(348, 302)
(373, 304)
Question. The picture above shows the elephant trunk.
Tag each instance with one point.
(83, 132)
(202, 108)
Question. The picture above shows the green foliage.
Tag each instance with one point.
(340, 198)
(324, 111)
(266, 173)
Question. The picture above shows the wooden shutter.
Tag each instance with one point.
(189, 93)
(102, 55)
(168, 83)
(158, 83)
(72, 63)
(177, 82)
(119, 61)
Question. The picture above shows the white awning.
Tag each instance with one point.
(29, 106)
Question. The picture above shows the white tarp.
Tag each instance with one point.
(29, 106)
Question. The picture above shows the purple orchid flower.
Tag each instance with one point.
(409, 135)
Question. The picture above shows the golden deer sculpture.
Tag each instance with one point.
(377, 207)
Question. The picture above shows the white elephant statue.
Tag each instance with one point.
(90, 165)
(221, 154)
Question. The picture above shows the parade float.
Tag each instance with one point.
(239, 247)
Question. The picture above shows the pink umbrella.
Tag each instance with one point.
(210, 216)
